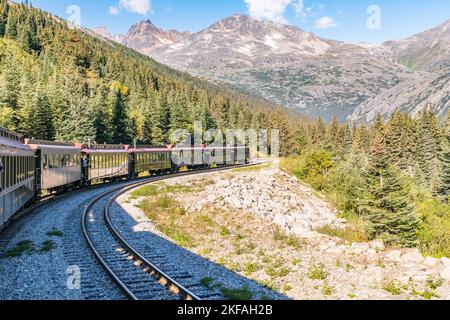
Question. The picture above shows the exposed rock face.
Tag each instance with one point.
(145, 37)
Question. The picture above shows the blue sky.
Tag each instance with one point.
(345, 20)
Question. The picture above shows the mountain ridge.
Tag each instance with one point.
(300, 70)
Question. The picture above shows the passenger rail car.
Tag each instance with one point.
(16, 175)
(105, 163)
(149, 159)
(32, 167)
(221, 156)
(57, 165)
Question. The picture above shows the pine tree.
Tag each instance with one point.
(43, 127)
(102, 117)
(428, 149)
(386, 204)
(4, 8)
(119, 120)
(445, 160)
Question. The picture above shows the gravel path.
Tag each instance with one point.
(45, 275)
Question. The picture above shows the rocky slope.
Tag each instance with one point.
(261, 225)
(429, 50)
(412, 96)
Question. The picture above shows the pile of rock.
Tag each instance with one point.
(275, 196)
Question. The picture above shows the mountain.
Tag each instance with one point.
(306, 73)
(284, 64)
(105, 33)
(144, 37)
(429, 50)
(412, 96)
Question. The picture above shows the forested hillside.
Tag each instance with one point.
(58, 82)
(392, 179)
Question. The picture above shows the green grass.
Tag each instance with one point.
(177, 235)
(146, 191)
(224, 231)
(393, 287)
(350, 234)
(47, 246)
(23, 247)
(328, 290)
(317, 272)
(206, 282)
(55, 233)
(243, 293)
(251, 268)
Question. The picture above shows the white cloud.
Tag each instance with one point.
(304, 11)
(113, 11)
(299, 5)
(268, 9)
(325, 23)
(136, 6)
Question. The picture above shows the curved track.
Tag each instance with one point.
(132, 272)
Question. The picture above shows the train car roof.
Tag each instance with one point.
(149, 150)
(13, 144)
(104, 151)
(54, 148)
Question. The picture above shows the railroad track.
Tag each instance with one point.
(134, 271)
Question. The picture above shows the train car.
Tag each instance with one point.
(58, 165)
(191, 158)
(102, 163)
(16, 175)
(223, 156)
(149, 159)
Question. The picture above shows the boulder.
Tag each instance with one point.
(445, 262)
(377, 245)
(412, 256)
(360, 246)
(431, 262)
(394, 256)
(445, 274)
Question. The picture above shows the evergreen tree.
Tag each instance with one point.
(445, 160)
(386, 204)
(102, 117)
(119, 120)
(43, 127)
(428, 149)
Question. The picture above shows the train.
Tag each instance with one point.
(31, 168)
